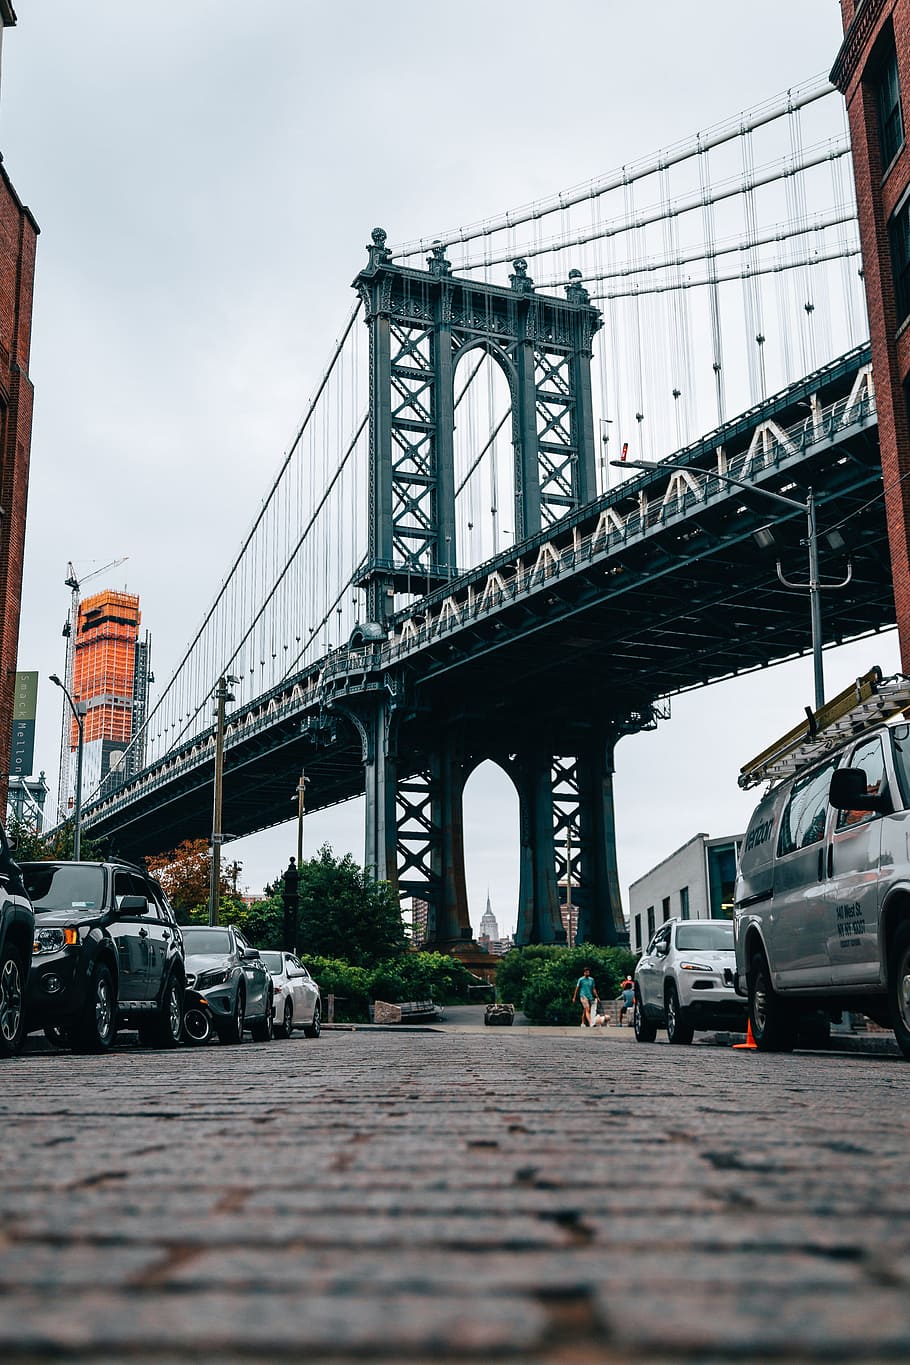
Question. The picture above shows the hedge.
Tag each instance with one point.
(412, 976)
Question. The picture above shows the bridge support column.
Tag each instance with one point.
(538, 898)
(453, 922)
(373, 717)
(431, 843)
(600, 918)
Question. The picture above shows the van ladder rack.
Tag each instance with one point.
(868, 701)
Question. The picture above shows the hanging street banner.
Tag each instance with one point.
(22, 749)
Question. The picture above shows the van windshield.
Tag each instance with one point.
(705, 935)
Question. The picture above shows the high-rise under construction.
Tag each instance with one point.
(110, 676)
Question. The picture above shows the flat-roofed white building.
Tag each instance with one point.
(695, 882)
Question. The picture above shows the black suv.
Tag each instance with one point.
(107, 951)
(17, 925)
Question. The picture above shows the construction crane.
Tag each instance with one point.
(69, 634)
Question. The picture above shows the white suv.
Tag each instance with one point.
(822, 897)
(684, 981)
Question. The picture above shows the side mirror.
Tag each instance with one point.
(133, 905)
(849, 791)
(250, 954)
(662, 948)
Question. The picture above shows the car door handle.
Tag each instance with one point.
(143, 933)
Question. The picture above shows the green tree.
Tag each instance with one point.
(345, 914)
(57, 844)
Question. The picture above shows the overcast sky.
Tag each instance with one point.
(205, 176)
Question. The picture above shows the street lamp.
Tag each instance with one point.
(814, 585)
(80, 723)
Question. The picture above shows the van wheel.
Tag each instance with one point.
(773, 1023)
(645, 1031)
(679, 1029)
(899, 988)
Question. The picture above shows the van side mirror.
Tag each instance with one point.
(849, 791)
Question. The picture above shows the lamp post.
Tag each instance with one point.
(222, 695)
(80, 724)
(300, 793)
(814, 586)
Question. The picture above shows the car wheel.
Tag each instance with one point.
(287, 1019)
(899, 988)
(232, 1032)
(97, 1028)
(679, 1029)
(263, 1030)
(314, 1029)
(167, 1029)
(773, 1022)
(645, 1031)
(197, 1026)
(12, 1012)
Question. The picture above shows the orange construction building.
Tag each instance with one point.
(110, 680)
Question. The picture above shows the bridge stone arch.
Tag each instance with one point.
(419, 323)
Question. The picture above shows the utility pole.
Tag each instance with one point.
(221, 695)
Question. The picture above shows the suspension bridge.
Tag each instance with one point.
(440, 572)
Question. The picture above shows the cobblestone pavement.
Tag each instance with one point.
(449, 1197)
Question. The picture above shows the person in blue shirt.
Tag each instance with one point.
(586, 994)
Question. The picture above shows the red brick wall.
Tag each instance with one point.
(876, 199)
(18, 236)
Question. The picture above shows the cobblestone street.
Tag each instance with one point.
(455, 1196)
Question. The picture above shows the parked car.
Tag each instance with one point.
(17, 929)
(822, 901)
(684, 981)
(107, 951)
(297, 1000)
(231, 980)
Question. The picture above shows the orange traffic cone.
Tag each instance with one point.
(750, 1042)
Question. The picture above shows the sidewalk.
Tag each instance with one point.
(469, 1019)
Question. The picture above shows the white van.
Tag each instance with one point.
(822, 899)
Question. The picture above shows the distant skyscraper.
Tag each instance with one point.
(488, 926)
(110, 678)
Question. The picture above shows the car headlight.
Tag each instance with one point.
(694, 967)
(205, 980)
(52, 940)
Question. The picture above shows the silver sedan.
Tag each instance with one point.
(297, 1000)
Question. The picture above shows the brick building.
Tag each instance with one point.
(18, 237)
(872, 70)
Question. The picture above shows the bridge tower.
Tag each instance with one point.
(420, 324)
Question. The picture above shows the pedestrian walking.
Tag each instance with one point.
(586, 994)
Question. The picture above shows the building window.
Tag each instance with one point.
(665, 907)
(899, 236)
(638, 933)
(684, 902)
(650, 913)
(890, 115)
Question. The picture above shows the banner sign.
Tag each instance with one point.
(22, 749)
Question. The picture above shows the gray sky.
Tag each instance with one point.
(206, 175)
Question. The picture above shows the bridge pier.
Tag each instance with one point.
(600, 917)
(538, 895)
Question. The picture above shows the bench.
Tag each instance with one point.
(406, 1012)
